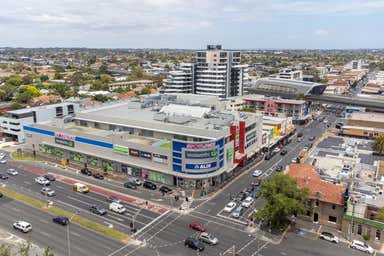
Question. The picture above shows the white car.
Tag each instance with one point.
(329, 237)
(48, 191)
(294, 160)
(12, 172)
(257, 173)
(116, 207)
(208, 238)
(229, 207)
(42, 181)
(3, 161)
(23, 226)
(247, 202)
(276, 150)
(361, 246)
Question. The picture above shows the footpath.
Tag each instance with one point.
(15, 242)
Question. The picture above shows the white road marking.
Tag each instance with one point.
(150, 223)
(261, 248)
(27, 182)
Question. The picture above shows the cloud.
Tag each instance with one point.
(321, 32)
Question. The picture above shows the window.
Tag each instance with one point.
(83, 123)
(332, 219)
(317, 203)
(378, 234)
(359, 229)
(333, 207)
(59, 111)
(71, 109)
(308, 213)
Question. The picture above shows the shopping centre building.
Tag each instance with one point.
(182, 139)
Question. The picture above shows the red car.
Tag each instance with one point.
(198, 226)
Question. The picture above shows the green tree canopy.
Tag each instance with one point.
(378, 145)
(61, 89)
(44, 78)
(282, 199)
(15, 81)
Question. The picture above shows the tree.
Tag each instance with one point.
(6, 92)
(15, 81)
(58, 76)
(102, 98)
(380, 215)
(103, 69)
(282, 199)
(378, 145)
(33, 90)
(44, 78)
(47, 252)
(25, 248)
(24, 97)
(105, 78)
(5, 250)
(61, 89)
(77, 78)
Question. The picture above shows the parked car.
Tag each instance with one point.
(247, 202)
(42, 181)
(165, 189)
(3, 176)
(208, 238)
(300, 139)
(136, 181)
(276, 150)
(49, 177)
(237, 212)
(329, 237)
(294, 160)
(149, 185)
(86, 171)
(12, 172)
(62, 220)
(279, 168)
(130, 184)
(256, 182)
(113, 199)
(300, 134)
(98, 209)
(309, 145)
(312, 138)
(268, 156)
(98, 176)
(283, 152)
(362, 246)
(194, 244)
(23, 226)
(249, 189)
(47, 191)
(198, 226)
(229, 207)
(241, 196)
(257, 173)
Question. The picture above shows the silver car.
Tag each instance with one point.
(208, 238)
(12, 172)
(48, 191)
(237, 212)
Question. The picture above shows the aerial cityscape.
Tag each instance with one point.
(170, 127)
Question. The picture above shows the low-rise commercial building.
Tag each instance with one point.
(326, 199)
(131, 84)
(12, 121)
(173, 139)
(364, 124)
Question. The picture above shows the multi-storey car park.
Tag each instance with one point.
(183, 139)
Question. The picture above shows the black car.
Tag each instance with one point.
(165, 189)
(130, 185)
(98, 209)
(300, 134)
(241, 196)
(194, 244)
(1, 194)
(149, 185)
(98, 176)
(312, 138)
(86, 171)
(279, 168)
(268, 156)
(283, 152)
(249, 189)
(61, 220)
(3, 176)
(49, 177)
(309, 145)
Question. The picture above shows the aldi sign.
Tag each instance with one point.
(200, 166)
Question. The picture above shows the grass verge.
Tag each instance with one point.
(22, 157)
(112, 233)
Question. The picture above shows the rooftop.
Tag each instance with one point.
(368, 116)
(306, 176)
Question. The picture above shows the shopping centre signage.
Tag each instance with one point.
(159, 158)
(200, 166)
(68, 143)
(201, 145)
(120, 150)
(64, 136)
(201, 154)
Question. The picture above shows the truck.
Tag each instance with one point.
(116, 207)
(79, 187)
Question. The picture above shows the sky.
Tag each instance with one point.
(191, 24)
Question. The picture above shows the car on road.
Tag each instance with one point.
(305, 148)
(3, 176)
(130, 184)
(362, 246)
(23, 226)
(230, 206)
(283, 152)
(257, 173)
(312, 138)
(249, 189)
(136, 181)
(12, 172)
(309, 145)
(1, 195)
(329, 237)
(149, 185)
(3, 161)
(241, 196)
(256, 182)
(279, 168)
(198, 226)
(294, 160)
(98, 176)
(49, 177)
(116, 207)
(98, 209)
(62, 220)
(165, 190)
(42, 181)
(276, 150)
(47, 191)
(113, 199)
(208, 238)
(79, 187)
(194, 244)
(247, 202)
(300, 139)
(237, 212)
(86, 171)
(268, 156)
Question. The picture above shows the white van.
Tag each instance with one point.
(116, 207)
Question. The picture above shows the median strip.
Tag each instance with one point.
(94, 226)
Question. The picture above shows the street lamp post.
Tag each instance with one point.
(352, 220)
(68, 234)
